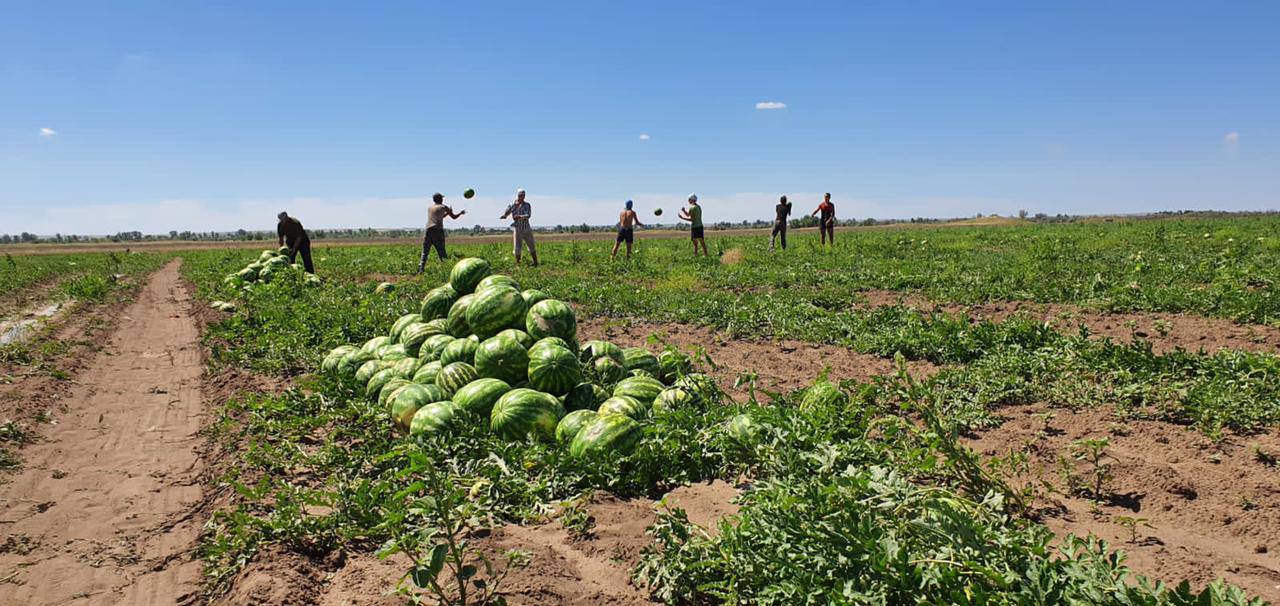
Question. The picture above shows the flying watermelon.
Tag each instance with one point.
(469, 194)
(657, 212)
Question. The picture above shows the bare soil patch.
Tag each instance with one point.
(1165, 331)
(782, 365)
(1215, 507)
(105, 508)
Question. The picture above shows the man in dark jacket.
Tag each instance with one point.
(290, 233)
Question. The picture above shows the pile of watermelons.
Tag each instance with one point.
(480, 350)
(270, 263)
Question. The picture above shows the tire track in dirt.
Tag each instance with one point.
(104, 510)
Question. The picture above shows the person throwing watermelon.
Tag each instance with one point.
(693, 214)
(433, 236)
(522, 233)
(627, 222)
(827, 220)
(781, 211)
(289, 232)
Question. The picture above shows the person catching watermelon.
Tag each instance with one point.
(693, 214)
(782, 211)
(627, 222)
(522, 233)
(827, 220)
(433, 236)
(289, 232)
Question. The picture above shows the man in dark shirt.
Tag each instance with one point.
(290, 233)
(827, 219)
(783, 211)
(434, 235)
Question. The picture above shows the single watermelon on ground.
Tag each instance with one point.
(606, 435)
(822, 394)
(467, 273)
(553, 369)
(673, 364)
(526, 412)
(552, 318)
(644, 389)
(572, 423)
(436, 418)
(626, 406)
(458, 326)
(639, 358)
(494, 309)
(502, 357)
(700, 384)
(384, 288)
(459, 350)
(479, 396)
(437, 302)
(456, 376)
(497, 280)
(743, 429)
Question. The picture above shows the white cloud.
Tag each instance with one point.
(771, 105)
(644, 137)
(1231, 141)
(47, 132)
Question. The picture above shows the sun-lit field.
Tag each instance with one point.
(982, 414)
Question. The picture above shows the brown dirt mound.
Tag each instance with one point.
(1165, 331)
(1215, 507)
(781, 365)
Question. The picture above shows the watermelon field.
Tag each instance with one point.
(1081, 413)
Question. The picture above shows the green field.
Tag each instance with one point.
(865, 495)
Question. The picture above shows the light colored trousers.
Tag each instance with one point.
(521, 236)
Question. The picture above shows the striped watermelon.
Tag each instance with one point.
(392, 351)
(367, 370)
(743, 429)
(437, 302)
(673, 398)
(349, 363)
(408, 399)
(414, 335)
(526, 412)
(644, 389)
(479, 396)
(673, 364)
(434, 346)
(584, 396)
(458, 326)
(626, 406)
(606, 435)
(456, 376)
(436, 418)
(427, 373)
(467, 273)
(572, 423)
(639, 358)
(331, 361)
(700, 384)
(553, 369)
(609, 371)
(406, 367)
(523, 337)
(823, 394)
(378, 380)
(552, 318)
(549, 342)
(391, 387)
(403, 322)
(459, 350)
(502, 357)
(494, 309)
(371, 346)
(594, 350)
(497, 280)
(531, 297)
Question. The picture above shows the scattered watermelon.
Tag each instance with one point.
(823, 394)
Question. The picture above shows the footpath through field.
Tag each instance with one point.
(104, 510)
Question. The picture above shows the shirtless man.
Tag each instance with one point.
(627, 222)
(782, 212)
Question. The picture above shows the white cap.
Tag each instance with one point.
(693, 197)
(519, 191)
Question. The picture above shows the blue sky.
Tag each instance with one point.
(184, 115)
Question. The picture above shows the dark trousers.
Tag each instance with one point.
(780, 231)
(305, 249)
(434, 237)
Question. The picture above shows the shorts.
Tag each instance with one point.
(627, 235)
(695, 233)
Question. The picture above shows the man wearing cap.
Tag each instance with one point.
(434, 234)
(693, 214)
(827, 220)
(522, 233)
(289, 232)
(782, 211)
(627, 222)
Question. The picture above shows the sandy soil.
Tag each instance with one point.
(1215, 507)
(781, 365)
(1187, 331)
(103, 510)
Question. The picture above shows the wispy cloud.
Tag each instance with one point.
(771, 105)
(47, 132)
(644, 136)
(1231, 141)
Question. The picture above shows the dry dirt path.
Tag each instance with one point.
(104, 510)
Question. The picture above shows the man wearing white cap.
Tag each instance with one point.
(693, 214)
(522, 233)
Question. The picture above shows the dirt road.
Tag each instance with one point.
(104, 508)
